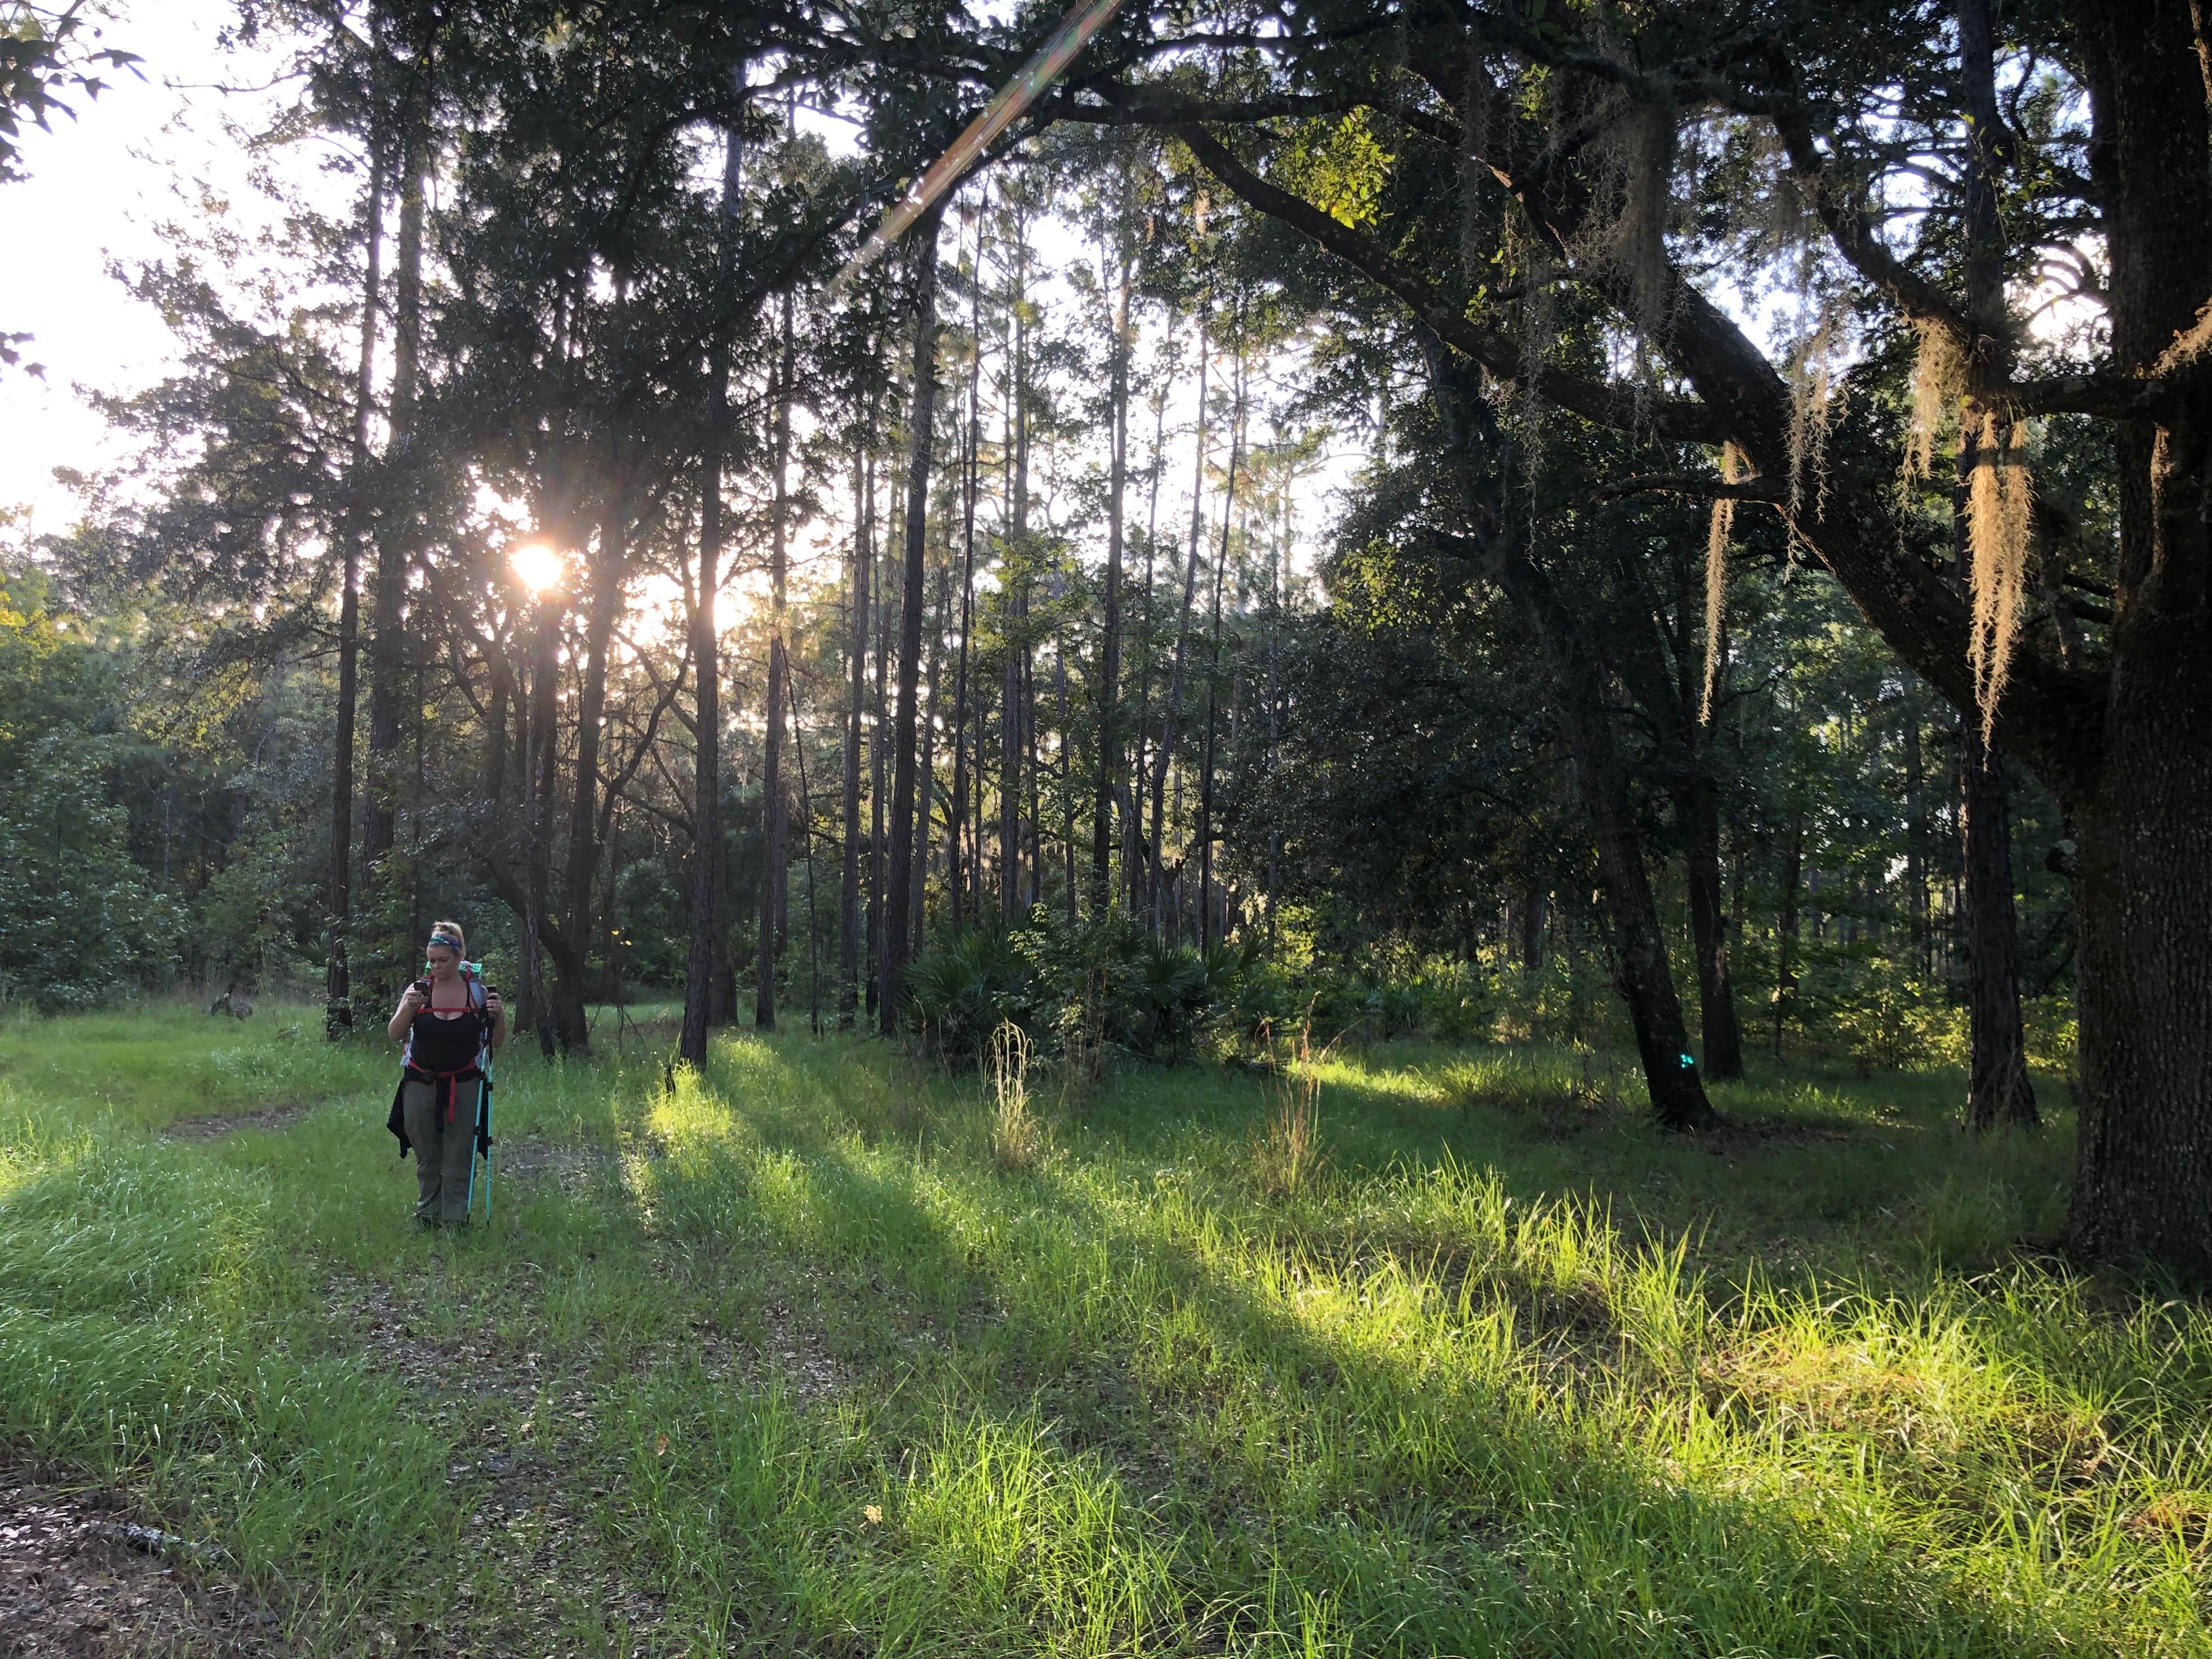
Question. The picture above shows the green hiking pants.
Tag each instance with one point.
(443, 1152)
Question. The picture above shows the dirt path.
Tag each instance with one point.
(80, 1578)
(216, 1125)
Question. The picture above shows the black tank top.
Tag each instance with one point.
(445, 1045)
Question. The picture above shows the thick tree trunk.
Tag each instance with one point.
(775, 812)
(921, 408)
(2142, 891)
(338, 978)
(707, 649)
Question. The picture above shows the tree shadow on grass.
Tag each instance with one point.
(1373, 1460)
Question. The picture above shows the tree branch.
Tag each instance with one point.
(1674, 418)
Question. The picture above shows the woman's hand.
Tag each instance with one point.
(403, 1017)
(495, 1012)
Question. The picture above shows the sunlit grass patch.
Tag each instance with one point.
(825, 1370)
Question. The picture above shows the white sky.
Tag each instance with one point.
(98, 186)
(101, 186)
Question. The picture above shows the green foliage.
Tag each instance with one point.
(77, 918)
(964, 986)
(1890, 1019)
(1107, 982)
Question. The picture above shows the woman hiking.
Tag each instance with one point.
(449, 1021)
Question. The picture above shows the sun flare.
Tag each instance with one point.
(538, 567)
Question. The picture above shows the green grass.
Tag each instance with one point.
(790, 1359)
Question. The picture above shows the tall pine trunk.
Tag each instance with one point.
(390, 673)
(848, 895)
(706, 642)
(338, 981)
(1109, 645)
(1173, 717)
(921, 410)
(602, 606)
(1017, 580)
(1206, 934)
(775, 818)
(970, 479)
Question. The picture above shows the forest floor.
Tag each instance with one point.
(801, 1357)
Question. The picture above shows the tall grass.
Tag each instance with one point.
(829, 1370)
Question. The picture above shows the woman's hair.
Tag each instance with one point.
(452, 930)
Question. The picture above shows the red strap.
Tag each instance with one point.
(445, 1081)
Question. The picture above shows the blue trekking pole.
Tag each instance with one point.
(483, 1131)
(484, 1138)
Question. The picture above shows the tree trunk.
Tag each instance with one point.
(970, 481)
(1647, 981)
(921, 408)
(1213, 667)
(706, 645)
(775, 844)
(1173, 717)
(338, 981)
(1534, 901)
(1646, 977)
(1722, 1035)
(1015, 577)
(543, 750)
(1917, 836)
(1110, 644)
(1997, 1087)
(390, 672)
(1786, 930)
(848, 895)
(926, 774)
(877, 795)
(1066, 773)
(603, 609)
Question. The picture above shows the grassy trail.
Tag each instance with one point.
(794, 1357)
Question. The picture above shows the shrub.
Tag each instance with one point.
(1079, 986)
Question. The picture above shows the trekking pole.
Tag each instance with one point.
(483, 1118)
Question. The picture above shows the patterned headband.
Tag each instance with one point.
(448, 941)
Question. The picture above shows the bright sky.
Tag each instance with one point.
(99, 187)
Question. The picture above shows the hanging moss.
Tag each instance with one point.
(1716, 544)
(2000, 505)
(1939, 379)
